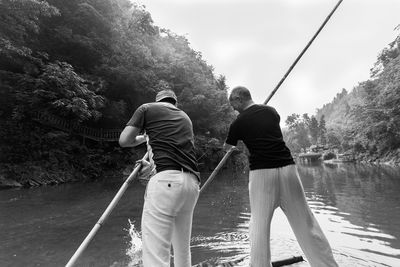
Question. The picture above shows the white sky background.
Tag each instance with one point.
(254, 42)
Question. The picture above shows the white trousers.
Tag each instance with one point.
(170, 199)
(281, 187)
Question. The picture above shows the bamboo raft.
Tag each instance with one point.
(278, 263)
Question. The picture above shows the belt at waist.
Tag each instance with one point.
(173, 168)
(178, 168)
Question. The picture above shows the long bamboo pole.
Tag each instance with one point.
(133, 175)
(226, 156)
(302, 52)
(105, 215)
(224, 159)
(216, 170)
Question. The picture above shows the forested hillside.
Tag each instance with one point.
(364, 121)
(92, 62)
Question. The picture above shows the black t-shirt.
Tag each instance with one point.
(258, 127)
(170, 134)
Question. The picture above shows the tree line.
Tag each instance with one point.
(93, 62)
(304, 131)
(364, 121)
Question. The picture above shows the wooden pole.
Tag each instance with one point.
(131, 177)
(216, 170)
(105, 215)
(287, 261)
(277, 263)
(224, 159)
(302, 52)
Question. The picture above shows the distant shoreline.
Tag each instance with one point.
(9, 183)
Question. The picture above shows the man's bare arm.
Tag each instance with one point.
(130, 138)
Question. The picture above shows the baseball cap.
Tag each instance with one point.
(165, 94)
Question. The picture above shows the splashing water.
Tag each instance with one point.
(134, 250)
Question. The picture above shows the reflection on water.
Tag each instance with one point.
(358, 207)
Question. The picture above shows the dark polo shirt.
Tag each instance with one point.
(258, 127)
(170, 134)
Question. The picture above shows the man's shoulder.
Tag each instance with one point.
(144, 106)
(165, 108)
(255, 112)
(151, 104)
(160, 105)
(153, 107)
(260, 107)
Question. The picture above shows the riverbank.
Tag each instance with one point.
(33, 174)
(99, 162)
(81, 164)
(39, 173)
(391, 158)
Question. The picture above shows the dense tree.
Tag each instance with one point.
(298, 134)
(322, 130)
(367, 120)
(314, 130)
(304, 131)
(334, 138)
(18, 18)
(94, 62)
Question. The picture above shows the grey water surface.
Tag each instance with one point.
(357, 206)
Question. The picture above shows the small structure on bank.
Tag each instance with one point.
(312, 154)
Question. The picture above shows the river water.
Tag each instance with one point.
(357, 206)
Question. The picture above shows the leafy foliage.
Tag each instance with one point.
(304, 131)
(94, 62)
(19, 17)
(367, 120)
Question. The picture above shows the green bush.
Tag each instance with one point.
(329, 155)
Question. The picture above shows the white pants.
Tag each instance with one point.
(170, 199)
(281, 187)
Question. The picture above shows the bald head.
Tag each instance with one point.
(240, 98)
(242, 92)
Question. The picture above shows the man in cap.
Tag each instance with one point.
(273, 182)
(172, 192)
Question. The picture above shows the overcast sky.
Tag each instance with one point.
(254, 42)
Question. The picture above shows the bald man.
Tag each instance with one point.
(273, 182)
